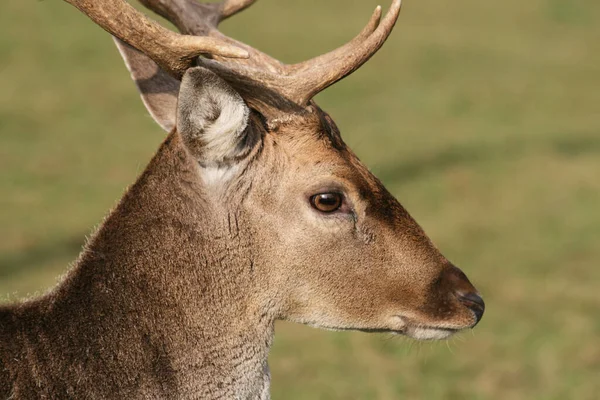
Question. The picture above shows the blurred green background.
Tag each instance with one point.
(482, 117)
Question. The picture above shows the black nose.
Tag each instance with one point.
(475, 303)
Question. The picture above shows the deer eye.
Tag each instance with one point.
(327, 202)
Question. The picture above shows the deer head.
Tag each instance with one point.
(328, 245)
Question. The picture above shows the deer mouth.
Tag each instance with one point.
(420, 331)
(429, 332)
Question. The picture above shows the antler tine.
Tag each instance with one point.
(202, 19)
(232, 7)
(313, 76)
(261, 78)
(364, 34)
(370, 27)
(193, 17)
(175, 53)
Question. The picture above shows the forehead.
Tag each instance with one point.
(315, 148)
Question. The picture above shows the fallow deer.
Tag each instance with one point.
(253, 210)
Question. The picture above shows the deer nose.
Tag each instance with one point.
(474, 302)
(459, 285)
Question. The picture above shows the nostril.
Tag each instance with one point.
(474, 302)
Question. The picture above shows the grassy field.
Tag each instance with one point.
(482, 117)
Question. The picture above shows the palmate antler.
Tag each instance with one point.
(259, 78)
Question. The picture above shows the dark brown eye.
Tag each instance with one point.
(326, 202)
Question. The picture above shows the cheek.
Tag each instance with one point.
(364, 234)
(308, 229)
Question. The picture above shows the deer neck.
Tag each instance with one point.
(176, 279)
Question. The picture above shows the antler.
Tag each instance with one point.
(261, 77)
(202, 19)
(174, 53)
(317, 74)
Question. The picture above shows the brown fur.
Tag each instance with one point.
(176, 294)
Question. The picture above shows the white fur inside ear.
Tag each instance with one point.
(222, 137)
(211, 117)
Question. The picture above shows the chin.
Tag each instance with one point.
(419, 331)
(429, 333)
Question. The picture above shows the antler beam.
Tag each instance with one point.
(261, 77)
(174, 53)
(202, 19)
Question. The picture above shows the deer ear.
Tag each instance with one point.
(157, 88)
(212, 118)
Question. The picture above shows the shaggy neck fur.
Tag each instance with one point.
(161, 304)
